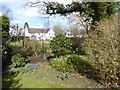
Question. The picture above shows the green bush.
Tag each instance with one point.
(77, 46)
(18, 50)
(60, 63)
(61, 45)
(19, 61)
(72, 63)
(6, 52)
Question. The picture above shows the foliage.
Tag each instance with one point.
(18, 50)
(30, 67)
(61, 45)
(95, 10)
(6, 52)
(60, 63)
(5, 27)
(102, 48)
(26, 25)
(74, 31)
(21, 70)
(77, 46)
(32, 46)
(5, 24)
(19, 61)
(71, 63)
(13, 38)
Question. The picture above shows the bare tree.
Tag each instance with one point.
(79, 21)
(6, 11)
(58, 30)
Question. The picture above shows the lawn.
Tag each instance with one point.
(46, 77)
(19, 43)
(26, 82)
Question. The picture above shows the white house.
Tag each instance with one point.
(39, 33)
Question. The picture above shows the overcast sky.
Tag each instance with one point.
(22, 14)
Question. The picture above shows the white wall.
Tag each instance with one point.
(26, 32)
(50, 34)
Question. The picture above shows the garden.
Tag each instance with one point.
(90, 61)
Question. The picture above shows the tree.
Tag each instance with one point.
(95, 10)
(5, 27)
(102, 45)
(26, 25)
(58, 30)
(78, 21)
(5, 23)
(6, 11)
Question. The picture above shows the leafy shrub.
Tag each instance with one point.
(19, 61)
(18, 50)
(32, 46)
(73, 63)
(61, 45)
(6, 52)
(59, 63)
(13, 38)
(77, 46)
(30, 51)
(102, 48)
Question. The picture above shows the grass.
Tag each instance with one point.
(45, 76)
(47, 73)
(26, 82)
(19, 43)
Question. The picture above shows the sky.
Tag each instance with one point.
(32, 15)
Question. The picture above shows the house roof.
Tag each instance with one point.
(38, 30)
